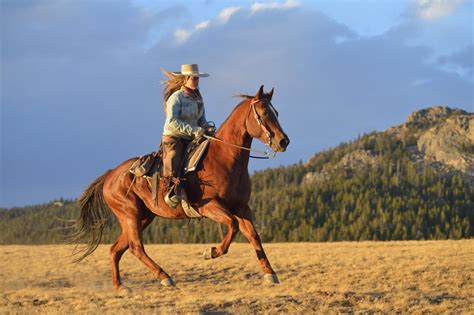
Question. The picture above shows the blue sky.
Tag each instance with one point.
(80, 80)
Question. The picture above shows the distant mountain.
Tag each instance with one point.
(437, 137)
(412, 181)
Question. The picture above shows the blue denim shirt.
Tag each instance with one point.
(183, 116)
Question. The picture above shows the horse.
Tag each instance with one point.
(219, 190)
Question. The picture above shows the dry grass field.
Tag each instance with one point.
(416, 276)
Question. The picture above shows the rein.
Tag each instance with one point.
(266, 153)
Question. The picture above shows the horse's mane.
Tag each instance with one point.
(243, 96)
(247, 97)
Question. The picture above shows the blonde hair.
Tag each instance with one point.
(172, 84)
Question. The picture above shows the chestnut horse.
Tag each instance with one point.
(218, 190)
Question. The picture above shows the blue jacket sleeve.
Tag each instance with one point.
(202, 122)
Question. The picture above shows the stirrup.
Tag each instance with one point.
(187, 208)
(171, 199)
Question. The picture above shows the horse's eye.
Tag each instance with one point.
(265, 113)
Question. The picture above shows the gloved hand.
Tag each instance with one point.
(199, 132)
(211, 130)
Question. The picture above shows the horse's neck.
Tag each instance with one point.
(234, 131)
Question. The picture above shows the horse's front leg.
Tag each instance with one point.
(215, 211)
(246, 226)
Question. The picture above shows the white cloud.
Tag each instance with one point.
(202, 25)
(226, 14)
(181, 36)
(259, 6)
(435, 9)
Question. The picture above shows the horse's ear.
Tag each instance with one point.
(270, 94)
(259, 93)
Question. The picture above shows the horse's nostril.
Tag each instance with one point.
(284, 142)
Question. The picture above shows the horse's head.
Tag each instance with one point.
(262, 122)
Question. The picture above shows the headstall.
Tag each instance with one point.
(268, 153)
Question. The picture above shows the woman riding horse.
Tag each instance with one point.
(185, 121)
(219, 190)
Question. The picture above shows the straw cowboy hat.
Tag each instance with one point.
(190, 69)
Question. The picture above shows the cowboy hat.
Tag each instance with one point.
(190, 69)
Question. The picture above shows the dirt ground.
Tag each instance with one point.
(415, 276)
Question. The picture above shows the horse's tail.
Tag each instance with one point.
(92, 220)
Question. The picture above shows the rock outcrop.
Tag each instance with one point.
(444, 135)
(438, 136)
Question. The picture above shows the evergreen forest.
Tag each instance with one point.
(396, 198)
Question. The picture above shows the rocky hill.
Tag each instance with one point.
(412, 181)
(444, 137)
(437, 137)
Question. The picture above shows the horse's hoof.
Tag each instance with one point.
(123, 290)
(168, 282)
(271, 278)
(207, 254)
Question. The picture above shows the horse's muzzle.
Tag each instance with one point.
(283, 144)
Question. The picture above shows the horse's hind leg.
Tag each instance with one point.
(116, 252)
(119, 248)
(135, 243)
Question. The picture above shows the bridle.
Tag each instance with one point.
(267, 154)
(259, 121)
